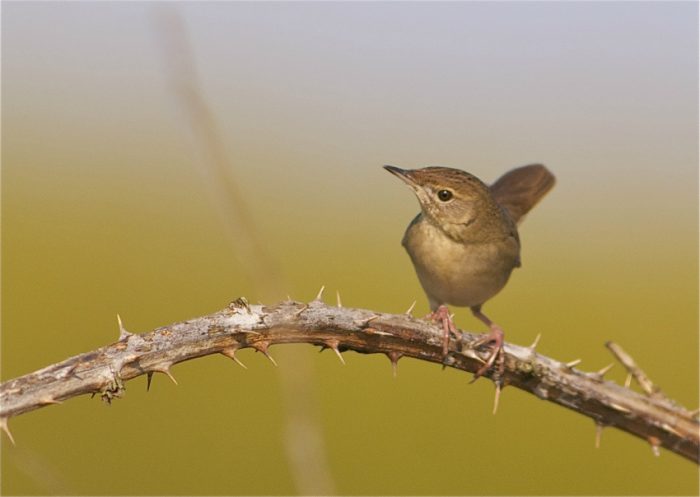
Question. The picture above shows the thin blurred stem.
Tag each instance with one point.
(235, 214)
(304, 443)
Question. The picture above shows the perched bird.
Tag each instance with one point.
(464, 243)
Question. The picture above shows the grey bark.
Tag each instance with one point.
(654, 418)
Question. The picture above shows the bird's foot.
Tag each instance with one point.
(442, 314)
(495, 337)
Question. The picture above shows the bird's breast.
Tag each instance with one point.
(459, 273)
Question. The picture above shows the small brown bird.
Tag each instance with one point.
(464, 243)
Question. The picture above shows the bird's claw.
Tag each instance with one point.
(442, 314)
(495, 336)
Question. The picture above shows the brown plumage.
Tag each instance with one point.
(464, 243)
(521, 188)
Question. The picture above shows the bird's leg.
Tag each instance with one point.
(494, 336)
(442, 314)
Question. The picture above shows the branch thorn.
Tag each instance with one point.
(573, 363)
(373, 331)
(6, 428)
(364, 322)
(655, 444)
(230, 352)
(671, 429)
(166, 371)
(598, 433)
(410, 309)
(262, 347)
(149, 378)
(620, 408)
(535, 343)
(497, 397)
(319, 295)
(394, 358)
(123, 334)
(333, 344)
(337, 297)
(303, 308)
(603, 371)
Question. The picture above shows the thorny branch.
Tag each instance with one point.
(655, 419)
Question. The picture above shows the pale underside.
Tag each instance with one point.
(458, 273)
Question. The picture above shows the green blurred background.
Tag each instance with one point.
(107, 207)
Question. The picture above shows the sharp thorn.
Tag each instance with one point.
(365, 322)
(573, 363)
(46, 402)
(149, 378)
(337, 297)
(166, 371)
(620, 408)
(303, 308)
(628, 380)
(170, 375)
(410, 309)
(694, 414)
(333, 344)
(603, 371)
(671, 429)
(394, 358)
(370, 319)
(262, 347)
(6, 428)
(319, 295)
(536, 342)
(238, 361)
(372, 331)
(272, 360)
(497, 397)
(655, 444)
(340, 356)
(231, 353)
(123, 334)
(598, 434)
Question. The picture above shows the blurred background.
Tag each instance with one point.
(161, 159)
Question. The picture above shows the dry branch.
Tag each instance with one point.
(655, 419)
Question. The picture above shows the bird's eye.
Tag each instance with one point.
(444, 195)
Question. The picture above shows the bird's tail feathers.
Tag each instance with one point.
(520, 189)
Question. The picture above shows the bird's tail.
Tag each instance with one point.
(521, 188)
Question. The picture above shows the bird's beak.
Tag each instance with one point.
(403, 174)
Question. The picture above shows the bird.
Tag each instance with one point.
(464, 243)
